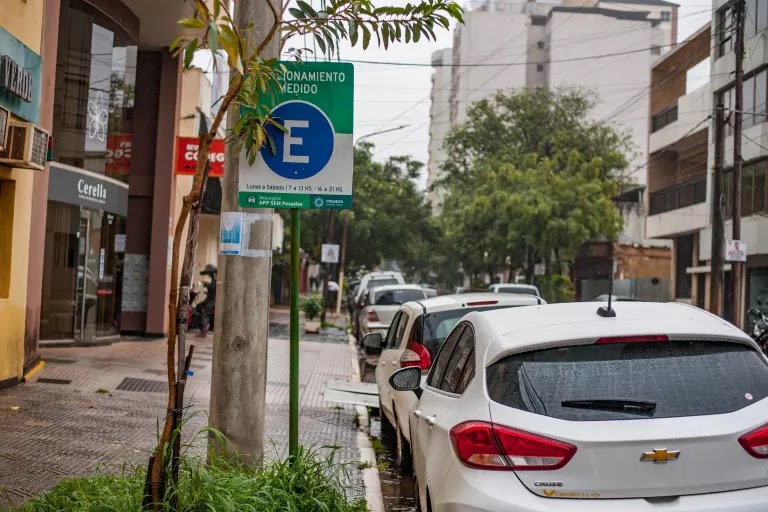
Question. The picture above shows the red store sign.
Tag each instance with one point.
(186, 156)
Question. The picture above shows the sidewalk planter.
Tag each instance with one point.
(312, 307)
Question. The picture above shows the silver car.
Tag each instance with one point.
(381, 304)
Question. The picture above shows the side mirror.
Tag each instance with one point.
(406, 379)
(754, 312)
(373, 341)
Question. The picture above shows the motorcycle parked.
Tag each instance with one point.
(195, 315)
(760, 329)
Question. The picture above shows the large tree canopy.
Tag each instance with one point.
(529, 178)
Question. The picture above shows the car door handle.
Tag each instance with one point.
(417, 413)
(430, 420)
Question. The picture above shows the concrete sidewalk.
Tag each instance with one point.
(97, 408)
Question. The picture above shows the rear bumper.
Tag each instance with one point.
(468, 490)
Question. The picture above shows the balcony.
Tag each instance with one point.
(678, 209)
(675, 122)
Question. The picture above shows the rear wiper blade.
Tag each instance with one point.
(619, 404)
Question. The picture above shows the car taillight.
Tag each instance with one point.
(483, 445)
(372, 316)
(632, 339)
(416, 354)
(756, 442)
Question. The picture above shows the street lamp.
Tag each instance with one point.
(343, 254)
(380, 132)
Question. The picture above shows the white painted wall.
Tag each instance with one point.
(621, 82)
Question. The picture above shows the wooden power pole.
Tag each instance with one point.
(239, 379)
(737, 267)
(718, 217)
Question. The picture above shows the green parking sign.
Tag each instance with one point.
(311, 166)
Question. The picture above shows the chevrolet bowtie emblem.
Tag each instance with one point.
(660, 456)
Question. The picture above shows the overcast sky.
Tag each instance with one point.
(388, 96)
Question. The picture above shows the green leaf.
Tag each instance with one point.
(175, 43)
(213, 37)
(307, 9)
(407, 34)
(352, 31)
(192, 23)
(189, 52)
(385, 34)
(320, 42)
(216, 8)
(296, 13)
(366, 36)
(417, 32)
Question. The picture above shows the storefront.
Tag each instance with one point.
(86, 223)
(84, 255)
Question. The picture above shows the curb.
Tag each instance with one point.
(370, 475)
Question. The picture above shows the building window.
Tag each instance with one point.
(655, 50)
(666, 16)
(753, 190)
(95, 91)
(7, 193)
(538, 20)
(663, 118)
(540, 67)
(756, 19)
(540, 45)
(724, 34)
(755, 100)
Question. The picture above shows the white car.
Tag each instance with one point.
(415, 336)
(555, 408)
(368, 281)
(382, 303)
(514, 288)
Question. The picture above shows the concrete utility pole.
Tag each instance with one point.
(718, 217)
(239, 379)
(737, 267)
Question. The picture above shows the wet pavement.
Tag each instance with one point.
(396, 488)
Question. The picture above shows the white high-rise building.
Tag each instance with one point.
(439, 115)
(604, 46)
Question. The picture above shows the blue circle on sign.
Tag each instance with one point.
(305, 148)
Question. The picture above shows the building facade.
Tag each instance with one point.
(24, 126)
(89, 102)
(439, 117)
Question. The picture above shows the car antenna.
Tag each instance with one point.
(608, 312)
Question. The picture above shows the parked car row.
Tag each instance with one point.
(502, 402)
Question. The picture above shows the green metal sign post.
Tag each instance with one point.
(310, 168)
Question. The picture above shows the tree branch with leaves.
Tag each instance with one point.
(252, 79)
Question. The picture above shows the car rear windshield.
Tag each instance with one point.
(373, 283)
(435, 327)
(683, 378)
(397, 297)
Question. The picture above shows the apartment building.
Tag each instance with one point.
(514, 44)
(439, 117)
(678, 163)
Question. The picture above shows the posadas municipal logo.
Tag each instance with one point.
(319, 202)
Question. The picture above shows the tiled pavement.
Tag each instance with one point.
(62, 425)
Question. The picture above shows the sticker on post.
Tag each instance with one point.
(235, 235)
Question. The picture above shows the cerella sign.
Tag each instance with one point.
(187, 149)
(71, 185)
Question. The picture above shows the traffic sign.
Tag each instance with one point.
(311, 166)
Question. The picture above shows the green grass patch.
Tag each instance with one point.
(310, 482)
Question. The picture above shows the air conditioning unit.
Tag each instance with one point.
(5, 118)
(26, 146)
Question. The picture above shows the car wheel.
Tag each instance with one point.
(403, 451)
